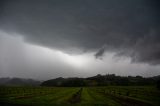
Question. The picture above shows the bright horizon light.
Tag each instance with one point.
(77, 61)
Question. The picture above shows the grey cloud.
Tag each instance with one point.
(100, 53)
(20, 59)
(129, 28)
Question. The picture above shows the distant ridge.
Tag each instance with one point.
(18, 82)
(102, 80)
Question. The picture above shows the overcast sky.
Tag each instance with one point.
(45, 39)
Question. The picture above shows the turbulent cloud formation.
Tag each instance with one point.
(100, 52)
(20, 59)
(129, 28)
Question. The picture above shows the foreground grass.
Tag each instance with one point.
(88, 96)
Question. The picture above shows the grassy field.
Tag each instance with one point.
(86, 96)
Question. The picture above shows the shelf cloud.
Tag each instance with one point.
(130, 28)
(126, 28)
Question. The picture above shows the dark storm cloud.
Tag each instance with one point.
(127, 27)
(100, 52)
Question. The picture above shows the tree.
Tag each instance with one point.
(158, 84)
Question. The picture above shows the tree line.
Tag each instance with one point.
(103, 80)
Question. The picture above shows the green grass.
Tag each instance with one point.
(90, 96)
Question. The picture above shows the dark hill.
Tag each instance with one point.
(18, 82)
(68, 82)
(102, 80)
